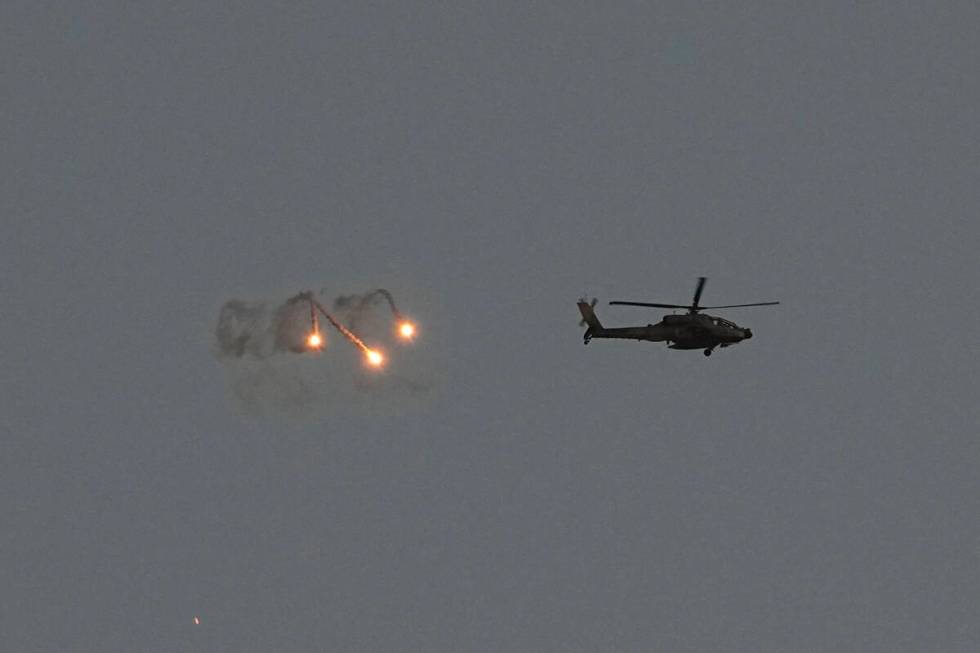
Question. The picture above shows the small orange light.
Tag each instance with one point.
(314, 341)
(374, 358)
(406, 330)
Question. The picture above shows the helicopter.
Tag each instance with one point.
(693, 330)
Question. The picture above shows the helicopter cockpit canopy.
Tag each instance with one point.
(720, 321)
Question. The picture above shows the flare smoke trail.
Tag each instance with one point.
(358, 305)
(253, 336)
(347, 333)
(254, 330)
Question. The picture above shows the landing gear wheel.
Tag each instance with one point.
(707, 352)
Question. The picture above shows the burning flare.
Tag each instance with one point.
(314, 341)
(374, 358)
(406, 330)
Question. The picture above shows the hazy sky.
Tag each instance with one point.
(813, 489)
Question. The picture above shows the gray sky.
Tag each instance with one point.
(813, 489)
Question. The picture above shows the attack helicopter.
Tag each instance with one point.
(693, 330)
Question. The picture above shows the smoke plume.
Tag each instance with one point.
(356, 308)
(273, 372)
(257, 330)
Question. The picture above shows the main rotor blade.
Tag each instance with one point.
(705, 308)
(697, 292)
(646, 304)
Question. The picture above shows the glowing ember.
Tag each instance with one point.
(314, 341)
(374, 357)
(407, 330)
(197, 622)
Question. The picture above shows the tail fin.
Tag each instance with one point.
(588, 315)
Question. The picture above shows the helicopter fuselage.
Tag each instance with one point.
(693, 331)
(697, 331)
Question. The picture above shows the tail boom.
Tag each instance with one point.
(653, 333)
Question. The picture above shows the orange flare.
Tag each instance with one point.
(314, 341)
(374, 358)
(407, 330)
